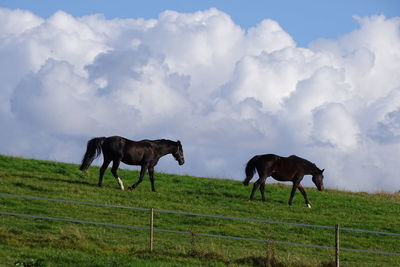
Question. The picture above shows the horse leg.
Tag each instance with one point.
(142, 173)
(103, 168)
(262, 190)
(294, 187)
(296, 183)
(300, 187)
(151, 174)
(260, 183)
(114, 172)
(256, 185)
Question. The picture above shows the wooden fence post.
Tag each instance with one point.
(151, 228)
(337, 248)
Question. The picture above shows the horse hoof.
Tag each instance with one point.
(130, 188)
(309, 206)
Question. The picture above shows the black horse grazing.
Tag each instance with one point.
(145, 153)
(292, 168)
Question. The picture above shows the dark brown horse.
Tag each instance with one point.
(292, 168)
(145, 153)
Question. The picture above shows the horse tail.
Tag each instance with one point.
(93, 150)
(250, 170)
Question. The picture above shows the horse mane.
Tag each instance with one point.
(163, 142)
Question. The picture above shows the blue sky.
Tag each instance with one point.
(305, 20)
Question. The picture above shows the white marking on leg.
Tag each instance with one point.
(121, 184)
(309, 206)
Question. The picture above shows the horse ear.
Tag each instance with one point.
(179, 142)
(322, 170)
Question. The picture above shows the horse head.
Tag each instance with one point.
(318, 179)
(178, 153)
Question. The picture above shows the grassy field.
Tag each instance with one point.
(38, 242)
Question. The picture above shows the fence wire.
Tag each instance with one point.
(200, 214)
(191, 233)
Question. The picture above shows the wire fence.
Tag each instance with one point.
(151, 228)
(200, 214)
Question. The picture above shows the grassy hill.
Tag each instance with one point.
(38, 242)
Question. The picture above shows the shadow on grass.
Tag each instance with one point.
(183, 257)
(211, 258)
(259, 261)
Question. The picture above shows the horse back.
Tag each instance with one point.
(138, 152)
(267, 158)
(264, 163)
(286, 168)
(113, 146)
(128, 151)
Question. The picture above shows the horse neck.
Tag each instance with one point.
(164, 149)
(310, 168)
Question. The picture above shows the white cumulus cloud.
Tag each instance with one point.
(227, 93)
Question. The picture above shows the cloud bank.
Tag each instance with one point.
(227, 93)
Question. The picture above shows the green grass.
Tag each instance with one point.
(37, 242)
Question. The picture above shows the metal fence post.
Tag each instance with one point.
(151, 228)
(337, 249)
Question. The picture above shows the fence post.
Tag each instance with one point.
(337, 249)
(151, 228)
